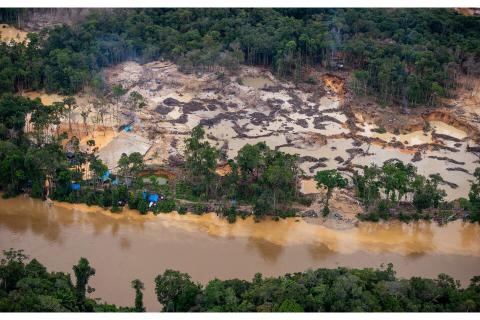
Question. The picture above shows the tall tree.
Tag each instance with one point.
(83, 272)
(71, 104)
(138, 286)
(201, 161)
(98, 168)
(118, 91)
(474, 196)
(329, 179)
(175, 291)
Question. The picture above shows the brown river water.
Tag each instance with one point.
(122, 247)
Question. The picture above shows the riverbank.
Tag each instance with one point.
(346, 212)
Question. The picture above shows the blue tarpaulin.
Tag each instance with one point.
(128, 128)
(105, 176)
(153, 197)
(75, 186)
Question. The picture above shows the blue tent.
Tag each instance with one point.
(75, 186)
(153, 197)
(106, 176)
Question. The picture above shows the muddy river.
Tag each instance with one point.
(125, 246)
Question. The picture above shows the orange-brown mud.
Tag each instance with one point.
(127, 245)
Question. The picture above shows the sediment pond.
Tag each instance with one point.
(126, 246)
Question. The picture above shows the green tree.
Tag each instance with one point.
(200, 162)
(130, 165)
(136, 101)
(118, 91)
(290, 306)
(83, 272)
(329, 179)
(367, 185)
(13, 110)
(281, 177)
(426, 193)
(13, 174)
(175, 291)
(70, 105)
(138, 286)
(45, 162)
(98, 168)
(397, 179)
(474, 196)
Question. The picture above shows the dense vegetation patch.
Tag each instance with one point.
(409, 55)
(396, 190)
(29, 287)
(321, 290)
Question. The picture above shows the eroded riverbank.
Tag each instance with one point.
(126, 246)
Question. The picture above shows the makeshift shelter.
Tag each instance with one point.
(153, 198)
(106, 176)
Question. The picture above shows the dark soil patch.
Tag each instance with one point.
(445, 137)
(182, 119)
(339, 159)
(302, 123)
(417, 157)
(171, 102)
(192, 106)
(316, 166)
(447, 159)
(258, 118)
(458, 169)
(163, 110)
(318, 122)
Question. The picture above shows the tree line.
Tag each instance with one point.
(394, 188)
(409, 56)
(27, 286)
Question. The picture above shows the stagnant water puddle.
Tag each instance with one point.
(259, 82)
(125, 246)
(415, 137)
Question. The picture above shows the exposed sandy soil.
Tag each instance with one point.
(466, 102)
(319, 122)
(45, 98)
(468, 11)
(125, 142)
(462, 112)
(9, 33)
(223, 170)
(342, 204)
(102, 136)
(334, 83)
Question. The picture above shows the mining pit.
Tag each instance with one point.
(322, 123)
